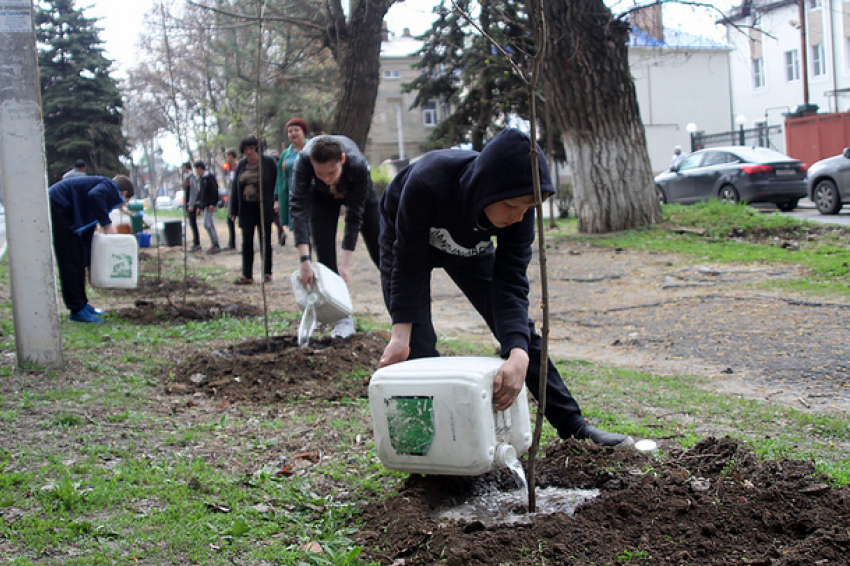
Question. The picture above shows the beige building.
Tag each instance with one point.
(398, 131)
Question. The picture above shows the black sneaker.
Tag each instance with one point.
(196, 248)
(604, 438)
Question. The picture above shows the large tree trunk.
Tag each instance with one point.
(357, 47)
(594, 103)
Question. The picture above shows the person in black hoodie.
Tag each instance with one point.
(330, 171)
(444, 211)
(245, 205)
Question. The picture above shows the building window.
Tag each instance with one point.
(392, 74)
(429, 114)
(818, 64)
(792, 66)
(758, 73)
(815, 4)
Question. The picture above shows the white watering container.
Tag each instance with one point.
(114, 261)
(331, 300)
(436, 416)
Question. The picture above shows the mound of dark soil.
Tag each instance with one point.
(261, 371)
(713, 504)
(166, 312)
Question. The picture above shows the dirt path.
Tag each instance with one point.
(634, 309)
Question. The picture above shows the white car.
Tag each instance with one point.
(163, 201)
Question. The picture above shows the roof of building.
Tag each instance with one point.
(401, 46)
(674, 39)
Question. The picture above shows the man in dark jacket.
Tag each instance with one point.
(207, 202)
(444, 211)
(77, 206)
(190, 203)
(254, 171)
(330, 172)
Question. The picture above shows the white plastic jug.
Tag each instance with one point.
(332, 301)
(436, 416)
(114, 261)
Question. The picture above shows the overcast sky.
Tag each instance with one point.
(123, 20)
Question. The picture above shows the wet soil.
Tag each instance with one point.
(713, 504)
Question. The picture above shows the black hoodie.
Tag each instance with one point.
(436, 205)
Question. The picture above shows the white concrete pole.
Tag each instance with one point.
(23, 179)
(400, 124)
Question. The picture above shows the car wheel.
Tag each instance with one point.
(787, 206)
(659, 192)
(826, 197)
(729, 194)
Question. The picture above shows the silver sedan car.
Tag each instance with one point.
(734, 174)
(829, 183)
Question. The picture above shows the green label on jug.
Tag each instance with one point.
(410, 421)
(122, 267)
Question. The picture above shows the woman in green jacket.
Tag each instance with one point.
(296, 131)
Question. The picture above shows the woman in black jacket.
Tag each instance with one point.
(253, 173)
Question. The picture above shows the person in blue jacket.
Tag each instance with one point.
(446, 210)
(77, 206)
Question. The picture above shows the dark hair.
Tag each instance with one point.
(248, 141)
(326, 149)
(231, 151)
(187, 165)
(299, 123)
(80, 164)
(125, 185)
(201, 165)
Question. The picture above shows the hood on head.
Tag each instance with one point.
(503, 170)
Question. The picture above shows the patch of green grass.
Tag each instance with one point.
(824, 258)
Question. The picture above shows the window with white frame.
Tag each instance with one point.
(429, 114)
(818, 63)
(758, 73)
(392, 74)
(792, 65)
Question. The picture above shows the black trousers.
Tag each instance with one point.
(474, 277)
(324, 218)
(193, 224)
(249, 221)
(231, 232)
(71, 257)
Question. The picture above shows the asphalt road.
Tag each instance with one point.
(806, 210)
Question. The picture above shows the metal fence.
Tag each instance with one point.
(758, 136)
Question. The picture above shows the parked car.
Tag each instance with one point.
(179, 199)
(734, 174)
(829, 183)
(162, 202)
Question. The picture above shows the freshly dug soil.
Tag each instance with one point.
(713, 504)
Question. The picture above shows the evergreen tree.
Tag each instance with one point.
(473, 68)
(81, 103)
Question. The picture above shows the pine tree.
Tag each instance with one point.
(81, 103)
(473, 67)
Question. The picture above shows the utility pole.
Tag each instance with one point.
(23, 177)
(804, 53)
